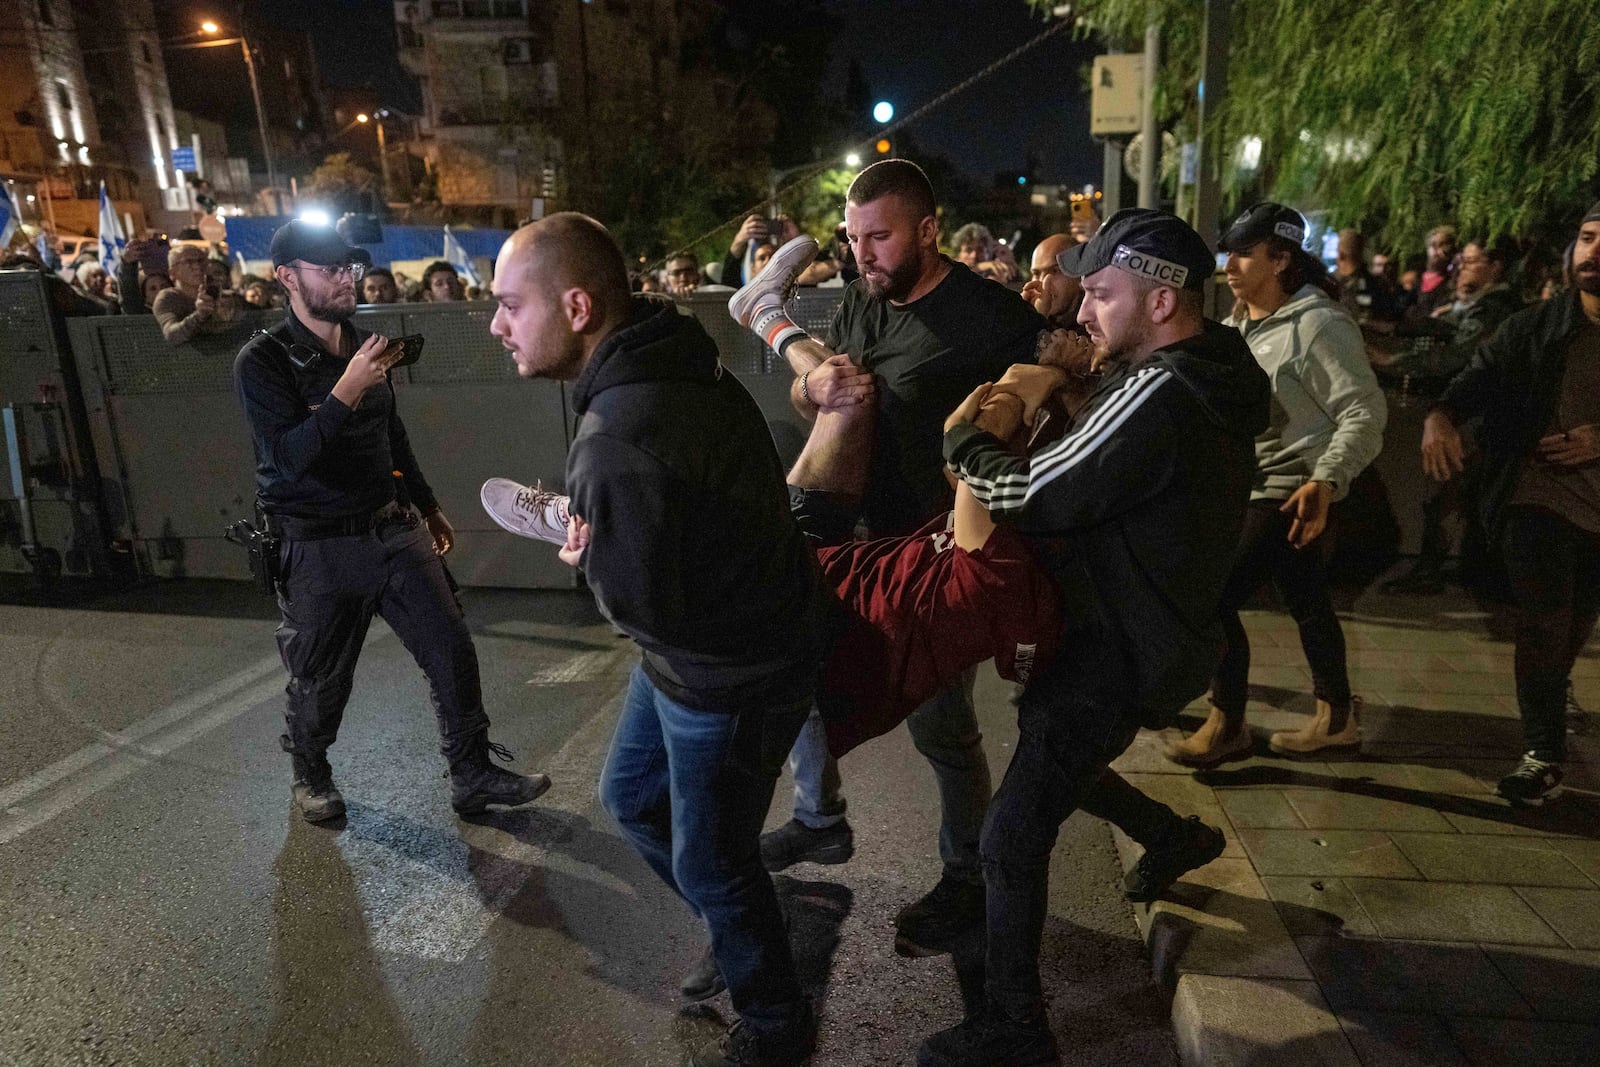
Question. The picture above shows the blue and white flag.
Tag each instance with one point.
(457, 257)
(10, 216)
(112, 241)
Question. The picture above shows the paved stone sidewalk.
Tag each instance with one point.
(1385, 907)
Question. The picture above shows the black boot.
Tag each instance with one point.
(477, 784)
(313, 792)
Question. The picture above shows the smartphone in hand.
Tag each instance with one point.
(412, 343)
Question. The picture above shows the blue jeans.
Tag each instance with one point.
(690, 790)
(945, 730)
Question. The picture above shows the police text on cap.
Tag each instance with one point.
(1289, 232)
(1146, 265)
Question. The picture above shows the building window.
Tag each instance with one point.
(63, 97)
(517, 51)
(47, 14)
(144, 50)
(480, 9)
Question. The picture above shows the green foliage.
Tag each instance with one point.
(341, 183)
(1396, 116)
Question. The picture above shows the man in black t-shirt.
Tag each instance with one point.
(914, 337)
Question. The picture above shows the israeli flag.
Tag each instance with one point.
(9, 217)
(112, 241)
(457, 257)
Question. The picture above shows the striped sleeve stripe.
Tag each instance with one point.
(1077, 446)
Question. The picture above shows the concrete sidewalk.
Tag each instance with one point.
(1384, 907)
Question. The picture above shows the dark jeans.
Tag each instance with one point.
(1554, 570)
(1059, 766)
(331, 589)
(1301, 580)
(690, 790)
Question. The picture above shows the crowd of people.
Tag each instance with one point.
(1075, 473)
(1127, 474)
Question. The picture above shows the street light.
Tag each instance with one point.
(852, 160)
(210, 27)
(883, 112)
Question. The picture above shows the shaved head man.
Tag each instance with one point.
(562, 288)
(1054, 293)
(730, 639)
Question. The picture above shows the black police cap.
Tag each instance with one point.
(1149, 244)
(1264, 220)
(321, 245)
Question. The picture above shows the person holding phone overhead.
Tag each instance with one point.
(193, 305)
(328, 443)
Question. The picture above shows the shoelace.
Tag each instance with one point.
(500, 751)
(534, 499)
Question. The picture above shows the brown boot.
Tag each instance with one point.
(1314, 735)
(1212, 743)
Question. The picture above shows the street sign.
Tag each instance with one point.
(183, 159)
(1117, 96)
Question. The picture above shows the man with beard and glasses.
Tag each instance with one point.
(1536, 385)
(912, 336)
(328, 444)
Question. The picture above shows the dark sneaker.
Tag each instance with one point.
(795, 842)
(1194, 845)
(315, 796)
(990, 1040)
(927, 927)
(526, 510)
(775, 282)
(744, 1047)
(478, 784)
(1533, 782)
(703, 981)
(1577, 717)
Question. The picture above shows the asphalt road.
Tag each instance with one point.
(159, 904)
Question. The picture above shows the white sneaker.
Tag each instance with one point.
(526, 510)
(775, 281)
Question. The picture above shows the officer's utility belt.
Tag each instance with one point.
(291, 528)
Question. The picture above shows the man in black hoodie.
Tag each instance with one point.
(1147, 494)
(689, 548)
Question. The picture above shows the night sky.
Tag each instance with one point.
(910, 51)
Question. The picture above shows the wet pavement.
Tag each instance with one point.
(159, 904)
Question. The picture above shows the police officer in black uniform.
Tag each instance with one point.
(328, 444)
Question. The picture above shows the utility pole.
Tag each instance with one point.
(1150, 136)
(1209, 150)
(383, 156)
(261, 115)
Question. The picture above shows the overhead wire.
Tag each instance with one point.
(1063, 22)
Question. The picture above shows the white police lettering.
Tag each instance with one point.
(1147, 266)
(1289, 232)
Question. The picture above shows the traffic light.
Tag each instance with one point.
(883, 146)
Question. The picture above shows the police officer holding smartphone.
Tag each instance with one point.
(328, 444)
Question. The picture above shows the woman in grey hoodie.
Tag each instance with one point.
(1328, 415)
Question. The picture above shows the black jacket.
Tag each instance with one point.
(316, 458)
(1147, 494)
(693, 552)
(1513, 382)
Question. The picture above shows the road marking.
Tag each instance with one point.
(437, 906)
(63, 785)
(583, 666)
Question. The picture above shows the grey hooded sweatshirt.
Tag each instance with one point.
(1328, 411)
